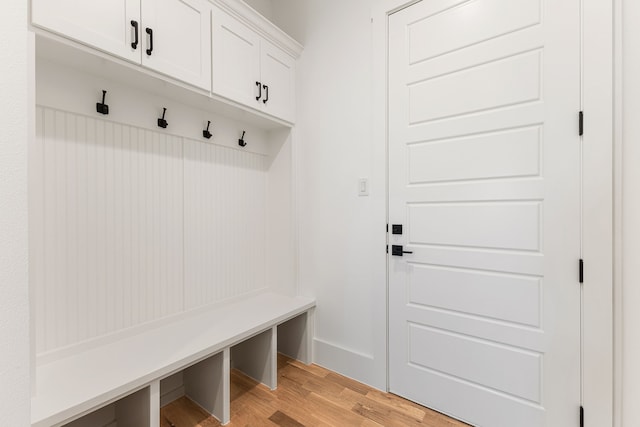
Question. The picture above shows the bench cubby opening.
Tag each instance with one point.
(256, 357)
(294, 337)
(205, 383)
(133, 410)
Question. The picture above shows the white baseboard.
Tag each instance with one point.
(350, 363)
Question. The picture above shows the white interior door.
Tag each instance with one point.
(484, 175)
(179, 44)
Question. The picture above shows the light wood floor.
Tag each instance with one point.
(307, 396)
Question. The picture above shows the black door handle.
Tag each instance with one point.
(266, 88)
(259, 91)
(134, 44)
(397, 250)
(150, 32)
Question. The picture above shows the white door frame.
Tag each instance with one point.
(597, 102)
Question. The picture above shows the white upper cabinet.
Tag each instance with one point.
(172, 37)
(177, 39)
(236, 59)
(249, 69)
(221, 46)
(277, 75)
(107, 25)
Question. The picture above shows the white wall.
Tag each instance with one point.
(342, 236)
(14, 300)
(630, 191)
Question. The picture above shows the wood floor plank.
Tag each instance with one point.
(283, 420)
(331, 413)
(388, 411)
(295, 374)
(436, 419)
(295, 404)
(307, 396)
(287, 385)
(247, 414)
(323, 387)
(184, 412)
(339, 400)
(312, 369)
(402, 405)
(384, 416)
(348, 383)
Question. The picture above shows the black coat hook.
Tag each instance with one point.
(102, 108)
(206, 132)
(241, 142)
(162, 122)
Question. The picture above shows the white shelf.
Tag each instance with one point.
(76, 385)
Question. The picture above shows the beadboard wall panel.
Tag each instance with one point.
(139, 225)
(225, 227)
(113, 234)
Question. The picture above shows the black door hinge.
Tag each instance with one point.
(581, 271)
(581, 123)
(387, 248)
(581, 416)
(387, 228)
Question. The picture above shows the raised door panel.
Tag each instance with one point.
(104, 25)
(236, 60)
(180, 43)
(278, 74)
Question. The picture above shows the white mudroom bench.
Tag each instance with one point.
(124, 382)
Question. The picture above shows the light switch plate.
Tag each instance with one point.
(363, 187)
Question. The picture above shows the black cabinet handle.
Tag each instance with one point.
(150, 32)
(134, 24)
(266, 88)
(259, 91)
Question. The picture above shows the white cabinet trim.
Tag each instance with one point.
(250, 17)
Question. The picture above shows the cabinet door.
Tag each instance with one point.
(278, 73)
(177, 39)
(105, 25)
(236, 60)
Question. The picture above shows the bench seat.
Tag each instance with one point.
(76, 385)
